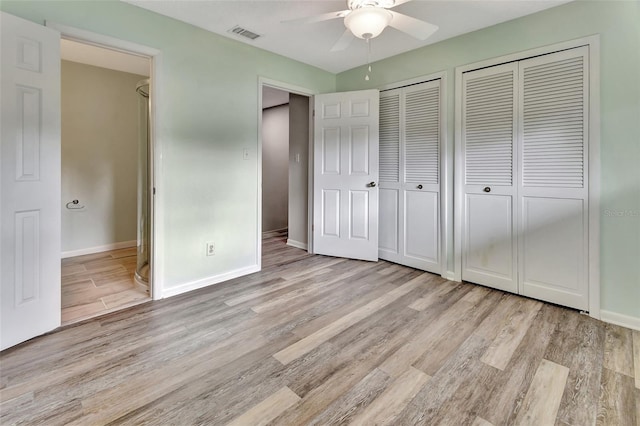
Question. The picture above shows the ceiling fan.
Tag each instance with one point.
(366, 19)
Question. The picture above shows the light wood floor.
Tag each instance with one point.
(99, 283)
(321, 340)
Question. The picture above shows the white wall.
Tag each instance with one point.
(99, 156)
(298, 169)
(275, 167)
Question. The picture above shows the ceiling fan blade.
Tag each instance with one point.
(318, 18)
(399, 2)
(412, 26)
(344, 41)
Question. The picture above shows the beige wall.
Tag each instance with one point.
(99, 155)
(275, 167)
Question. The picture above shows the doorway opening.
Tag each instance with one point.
(285, 175)
(106, 180)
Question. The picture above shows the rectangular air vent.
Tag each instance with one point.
(238, 30)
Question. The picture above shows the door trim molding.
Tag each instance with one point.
(593, 43)
(156, 278)
(298, 90)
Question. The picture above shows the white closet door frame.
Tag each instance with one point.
(445, 180)
(593, 44)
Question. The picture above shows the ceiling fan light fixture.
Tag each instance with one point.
(367, 22)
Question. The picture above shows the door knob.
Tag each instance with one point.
(419, 186)
(372, 184)
(487, 189)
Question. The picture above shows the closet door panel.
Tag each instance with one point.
(489, 241)
(389, 236)
(553, 247)
(421, 228)
(389, 241)
(421, 172)
(553, 183)
(488, 141)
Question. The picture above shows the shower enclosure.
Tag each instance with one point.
(144, 199)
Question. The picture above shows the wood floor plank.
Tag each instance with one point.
(443, 287)
(505, 397)
(508, 339)
(262, 413)
(618, 350)
(479, 421)
(542, 401)
(392, 400)
(425, 406)
(337, 305)
(445, 343)
(617, 400)
(312, 341)
(398, 363)
(578, 345)
(342, 410)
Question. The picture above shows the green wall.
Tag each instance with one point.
(208, 106)
(618, 23)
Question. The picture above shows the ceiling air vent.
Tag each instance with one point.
(238, 30)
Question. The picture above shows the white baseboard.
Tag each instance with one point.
(204, 282)
(98, 249)
(297, 244)
(620, 319)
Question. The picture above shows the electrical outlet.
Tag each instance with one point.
(211, 249)
(245, 154)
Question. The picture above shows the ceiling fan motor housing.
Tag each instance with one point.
(367, 22)
(357, 4)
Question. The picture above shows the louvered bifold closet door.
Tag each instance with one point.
(489, 102)
(410, 138)
(390, 129)
(421, 172)
(553, 187)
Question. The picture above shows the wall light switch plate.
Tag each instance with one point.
(211, 249)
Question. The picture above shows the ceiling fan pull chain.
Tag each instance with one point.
(368, 59)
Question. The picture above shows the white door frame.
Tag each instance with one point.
(593, 43)
(156, 276)
(446, 184)
(274, 84)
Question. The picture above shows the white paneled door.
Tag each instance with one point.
(410, 138)
(345, 219)
(30, 180)
(525, 205)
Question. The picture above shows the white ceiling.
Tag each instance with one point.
(311, 43)
(104, 58)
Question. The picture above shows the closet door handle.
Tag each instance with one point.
(419, 186)
(371, 185)
(487, 189)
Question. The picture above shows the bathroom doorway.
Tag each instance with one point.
(107, 184)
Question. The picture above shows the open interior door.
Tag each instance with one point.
(29, 180)
(345, 191)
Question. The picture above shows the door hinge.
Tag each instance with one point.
(314, 113)
(154, 191)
